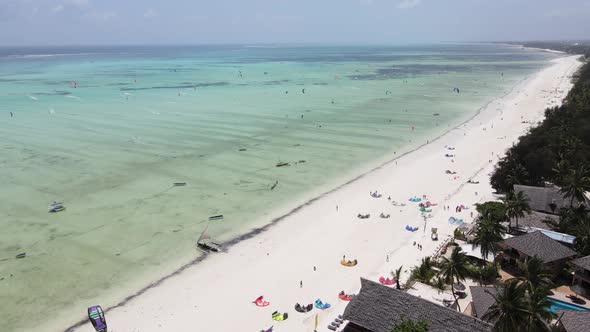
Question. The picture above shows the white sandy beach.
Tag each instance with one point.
(217, 294)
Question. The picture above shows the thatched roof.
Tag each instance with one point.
(575, 321)
(583, 262)
(540, 245)
(545, 199)
(379, 308)
(538, 220)
(482, 299)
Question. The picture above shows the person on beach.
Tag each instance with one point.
(387, 258)
(314, 269)
(301, 284)
(11, 114)
(336, 208)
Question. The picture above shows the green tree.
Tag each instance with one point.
(575, 184)
(423, 272)
(539, 316)
(561, 170)
(582, 233)
(533, 273)
(488, 234)
(517, 204)
(454, 269)
(509, 312)
(494, 210)
(408, 325)
(576, 221)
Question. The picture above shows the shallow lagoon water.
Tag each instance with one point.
(218, 118)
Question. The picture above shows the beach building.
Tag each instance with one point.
(553, 254)
(547, 200)
(574, 321)
(582, 275)
(378, 308)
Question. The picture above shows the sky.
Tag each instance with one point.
(151, 22)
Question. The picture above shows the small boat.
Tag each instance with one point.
(282, 163)
(242, 149)
(21, 255)
(217, 217)
(56, 207)
(207, 244)
(179, 184)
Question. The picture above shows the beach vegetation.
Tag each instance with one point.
(554, 150)
(489, 233)
(408, 325)
(533, 273)
(575, 183)
(509, 311)
(576, 221)
(423, 272)
(454, 269)
(517, 307)
(517, 204)
(495, 211)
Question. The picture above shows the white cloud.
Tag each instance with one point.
(406, 4)
(77, 3)
(57, 9)
(149, 13)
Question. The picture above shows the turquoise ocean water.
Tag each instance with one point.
(219, 118)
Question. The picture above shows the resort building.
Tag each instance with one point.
(547, 200)
(582, 275)
(545, 203)
(551, 252)
(378, 308)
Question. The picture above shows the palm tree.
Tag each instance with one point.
(454, 269)
(397, 274)
(510, 310)
(561, 170)
(539, 316)
(516, 206)
(424, 271)
(440, 284)
(576, 184)
(488, 233)
(533, 273)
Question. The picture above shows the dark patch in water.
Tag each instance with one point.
(320, 84)
(401, 71)
(118, 84)
(54, 93)
(277, 82)
(182, 86)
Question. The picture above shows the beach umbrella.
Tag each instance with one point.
(459, 286)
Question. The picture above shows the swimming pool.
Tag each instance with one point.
(560, 305)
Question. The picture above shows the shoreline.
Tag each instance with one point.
(274, 224)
